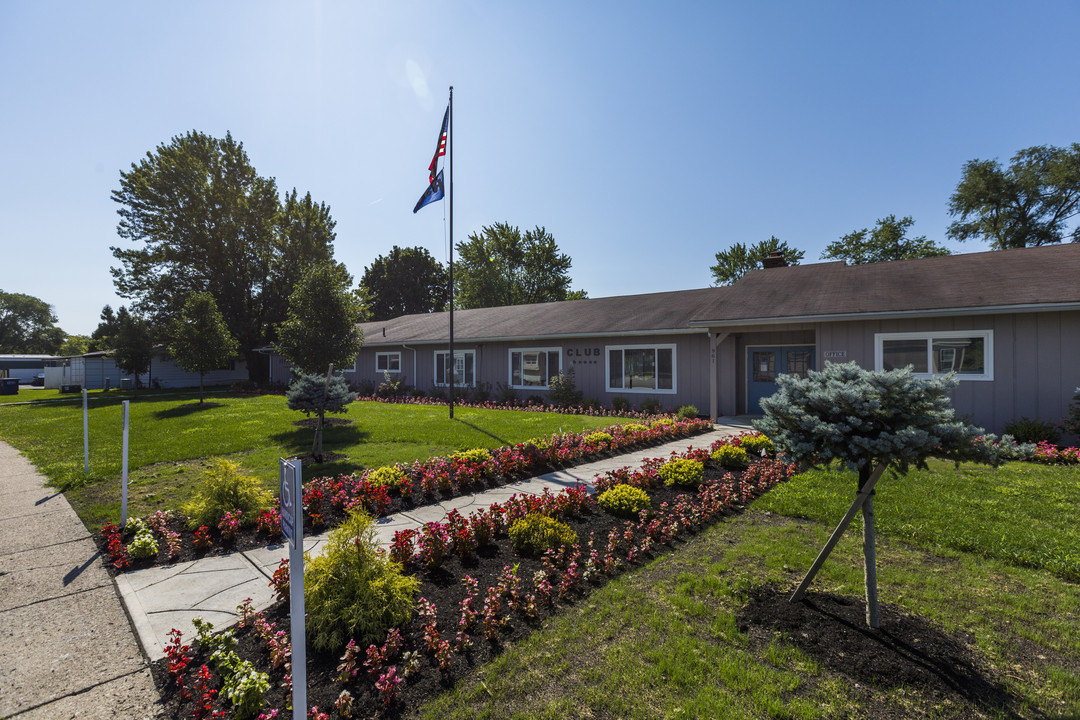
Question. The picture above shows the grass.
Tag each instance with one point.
(664, 641)
(172, 436)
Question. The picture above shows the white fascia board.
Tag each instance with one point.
(939, 312)
(537, 338)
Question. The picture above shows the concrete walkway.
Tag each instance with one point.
(161, 598)
(66, 646)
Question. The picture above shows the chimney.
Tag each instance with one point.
(774, 260)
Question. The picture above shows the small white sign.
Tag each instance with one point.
(289, 474)
(835, 354)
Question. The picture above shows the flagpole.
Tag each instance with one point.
(450, 150)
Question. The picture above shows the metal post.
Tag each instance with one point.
(85, 436)
(124, 471)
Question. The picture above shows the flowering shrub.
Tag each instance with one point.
(201, 539)
(178, 656)
(731, 456)
(280, 580)
(268, 522)
(230, 525)
(535, 533)
(434, 544)
(682, 472)
(624, 501)
(402, 549)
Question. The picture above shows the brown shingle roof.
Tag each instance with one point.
(975, 281)
(650, 313)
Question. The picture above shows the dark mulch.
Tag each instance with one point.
(906, 651)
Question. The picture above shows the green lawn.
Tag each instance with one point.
(664, 641)
(170, 437)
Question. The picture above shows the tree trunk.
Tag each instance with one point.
(869, 554)
(200, 388)
(316, 446)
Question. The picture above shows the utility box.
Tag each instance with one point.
(125, 383)
(9, 386)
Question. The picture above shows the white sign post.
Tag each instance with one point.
(123, 472)
(85, 436)
(292, 528)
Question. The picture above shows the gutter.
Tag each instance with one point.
(892, 314)
(564, 336)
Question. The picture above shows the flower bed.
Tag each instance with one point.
(379, 491)
(476, 593)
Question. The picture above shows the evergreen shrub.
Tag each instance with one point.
(682, 472)
(354, 591)
(1033, 431)
(389, 476)
(224, 490)
(754, 444)
(620, 404)
(686, 412)
(624, 501)
(534, 534)
(662, 422)
(634, 428)
(597, 437)
(651, 406)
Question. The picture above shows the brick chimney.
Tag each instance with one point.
(774, 260)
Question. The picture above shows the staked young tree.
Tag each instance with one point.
(27, 326)
(200, 341)
(888, 241)
(315, 394)
(501, 266)
(867, 421)
(202, 220)
(739, 259)
(405, 281)
(1026, 204)
(133, 345)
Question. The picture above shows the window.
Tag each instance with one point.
(967, 353)
(532, 368)
(388, 362)
(641, 368)
(464, 368)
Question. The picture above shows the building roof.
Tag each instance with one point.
(994, 281)
(653, 313)
(1039, 278)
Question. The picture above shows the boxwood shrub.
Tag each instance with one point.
(731, 456)
(535, 533)
(624, 501)
(682, 472)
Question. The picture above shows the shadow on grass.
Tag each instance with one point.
(335, 438)
(502, 441)
(186, 409)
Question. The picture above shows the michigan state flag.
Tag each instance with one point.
(434, 192)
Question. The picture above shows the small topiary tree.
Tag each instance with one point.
(867, 421)
(318, 395)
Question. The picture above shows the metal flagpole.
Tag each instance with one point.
(450, 157)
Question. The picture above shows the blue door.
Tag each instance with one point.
(765, 363)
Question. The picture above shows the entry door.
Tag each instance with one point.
(765, 363)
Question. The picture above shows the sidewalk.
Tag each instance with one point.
(161, 598)
(66, 647)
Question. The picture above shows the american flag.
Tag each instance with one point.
(440, 148)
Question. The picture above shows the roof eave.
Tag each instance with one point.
(890, 314)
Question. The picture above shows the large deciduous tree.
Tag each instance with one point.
(1026, 204)
(739, 259)
(403, 282)
(200, 341)
(886, 242)
(27, 326)
(204, 220)
(867, 421)
(501, 266)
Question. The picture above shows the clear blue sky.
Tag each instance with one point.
(644, 136)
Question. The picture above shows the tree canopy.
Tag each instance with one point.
(203, 219)
(403, 282)
(320, 327)
(886, 242)
(102, 337)
(27, 326)
(133, 344)
(1028, 203)
(501, 266)
(200, 341)
(737, 260)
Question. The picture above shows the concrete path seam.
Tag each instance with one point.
(54, 598)
(75, 693)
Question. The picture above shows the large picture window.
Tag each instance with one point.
(388, 362)
(464, 368)
(641, 368)
(968, 353)
(532, 368)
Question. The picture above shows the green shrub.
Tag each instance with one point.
(390, 476)
(143, 545)
(535, 533)
(224, 490)
(562, 391)
(352, 591)
(650, 406)
(686, 412)
(620, 404)
(475, 455)
(754, 444)
(598, 437)
(1033, 431)
(662, 422)
(624, 501)
(634, 428)
(731, 456)
(682, 472)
